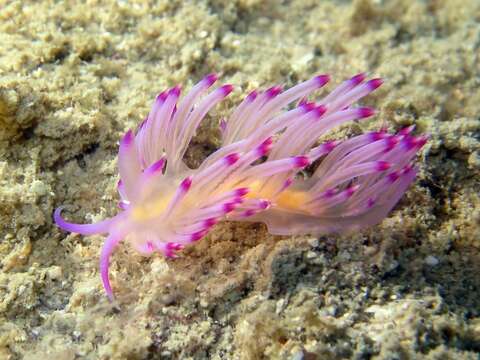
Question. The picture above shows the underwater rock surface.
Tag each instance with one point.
(74, 77)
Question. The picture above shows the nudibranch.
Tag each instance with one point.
(257, 173)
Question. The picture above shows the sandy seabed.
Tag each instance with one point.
(74, 75)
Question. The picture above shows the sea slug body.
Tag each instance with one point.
(166, 206)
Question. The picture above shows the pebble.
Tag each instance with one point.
(54, 273)
(431, 260)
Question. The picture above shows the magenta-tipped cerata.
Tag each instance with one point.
(166, 206)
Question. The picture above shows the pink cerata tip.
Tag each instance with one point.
(383, 165)
(374, 83)
(197, 236)
(307, 106)
(365, 112)
(265, 147)
(232, 158)
(226, 89)
(210, 79)
(252, 96)
(186, 184)
(273, 91)
(357, 79)
(242, 191)
(321, 80)
(229, 207)
(210, 222)
(175, 91)
(330, 145)
(128, 138)
(301, 161)
(320, 110)
(162, 96)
